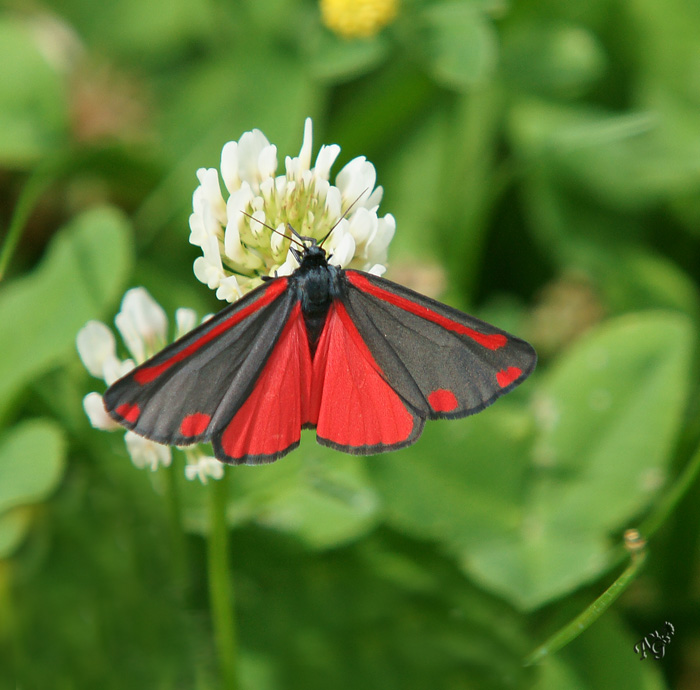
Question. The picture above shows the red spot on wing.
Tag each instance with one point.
(195, 424)
(148, 374)
(128, 412)
(507, 376)
(442, 400)
(351, 403)
(270, 419)
(491, 341)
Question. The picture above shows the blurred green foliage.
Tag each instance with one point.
(543, 162)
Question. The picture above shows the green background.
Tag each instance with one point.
(542, 160)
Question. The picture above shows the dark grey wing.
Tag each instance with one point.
(191, 390)
(442, 362)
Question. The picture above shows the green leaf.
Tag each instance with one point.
(31, 463)
(32, 460)
(608, 414)
(144, 31)
(627, 160)
(552, 57)
(322, 497)
(532, 522)
(33, 104)
(82, 274)
(383, 613)
(459, 43)
(334, 59)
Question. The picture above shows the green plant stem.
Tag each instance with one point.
(649, 526)
(672, 497)
(221, 601)
(585, 619)
(42, 177)
(178, 537)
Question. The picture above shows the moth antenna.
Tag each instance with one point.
(284, 234)
(347, 210)
(294, 232)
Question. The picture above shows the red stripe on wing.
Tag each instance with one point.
(352, 405)
(493, 341)
(148, 374)
(268, 424)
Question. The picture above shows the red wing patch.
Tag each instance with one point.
(442, 400)
(269, 422)
(507, 376)
(352, 405)
(129, 413)
(195, 424)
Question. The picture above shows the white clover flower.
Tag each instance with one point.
(145, 453)
(143, 325)
(202, 467)
(238, 250)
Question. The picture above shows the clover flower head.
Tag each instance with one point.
(234, 228)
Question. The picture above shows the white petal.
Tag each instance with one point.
(211, 224)
(229, 166)
(205, 467)
(232, 242)
(198, 201)
(267, 187)
(142, 323)
(306, 145)
(377, 270)
(250, 145)
(281, 186)
(258, 222)
(343, 252)
(267, 162)
(356, 179)
(96, 344)
(145, 453)
(208, 268)
(325, 159)
(289, 266)
(378, 244)
(334, 203)
(197, 230)
(185, 320)
(229, 289)
(209, 180)
(95, 410)
(291, 167)
(238, 203)
(277, 239)
(372, 202)
(362, 224)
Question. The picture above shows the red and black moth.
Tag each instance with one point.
(362, 360)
